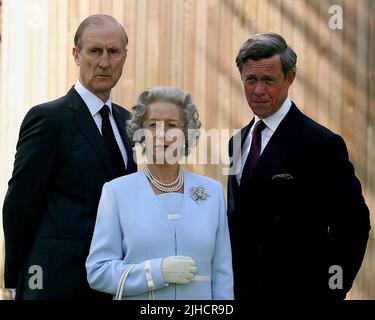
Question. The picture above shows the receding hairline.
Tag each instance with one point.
(98, 20)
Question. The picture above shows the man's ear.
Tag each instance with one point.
(291, 77)
(75, 53)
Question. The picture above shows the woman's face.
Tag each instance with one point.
(164, 133)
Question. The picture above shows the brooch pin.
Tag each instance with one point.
(198, 193)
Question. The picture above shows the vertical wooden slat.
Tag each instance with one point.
(117, 11)
(360, 122)
(201, 60)
(165, 41)
(262, 16)
(337, 67)
(238, 102)
(58, 24)
(371, 111)
(299, 46)
(348, 125)
(105, 7)
(154, 44)
(225, 83)
(249, 22)
(250, 18)
(287, 27)
(199, 73)
(275, 16)
(361, 101)
(84, 9)
(311, 97)
(213, 29)
(140, 45)
(71, 74)
(128, 77)
(189, 43)
(323, 67)
(177, 44)
(36, 66)
(95, 6)
(370, 262)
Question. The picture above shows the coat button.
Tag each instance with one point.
(259, 250)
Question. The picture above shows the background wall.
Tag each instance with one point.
(192, 44)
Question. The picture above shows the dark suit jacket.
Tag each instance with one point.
(290, 229)
(50, 208)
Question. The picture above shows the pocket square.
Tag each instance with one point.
(283, 177)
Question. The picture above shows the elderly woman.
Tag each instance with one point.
(165, 228)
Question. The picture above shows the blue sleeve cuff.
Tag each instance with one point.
(156, 274)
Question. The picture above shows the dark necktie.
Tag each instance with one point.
(256, 143)
(111, 143)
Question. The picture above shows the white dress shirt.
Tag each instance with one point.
(272, 122)
(95, 104)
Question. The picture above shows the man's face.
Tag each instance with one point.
(101, 58)
(265, 86)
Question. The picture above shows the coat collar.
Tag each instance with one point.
(278, 148)
(84, 121)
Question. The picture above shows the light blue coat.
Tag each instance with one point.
(132, 227)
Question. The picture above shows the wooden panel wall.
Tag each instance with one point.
(192, 44)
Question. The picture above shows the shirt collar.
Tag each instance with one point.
(273, 121)
(92, 101)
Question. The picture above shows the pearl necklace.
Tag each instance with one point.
(165, 187)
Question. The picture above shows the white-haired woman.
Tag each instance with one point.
(166, 227)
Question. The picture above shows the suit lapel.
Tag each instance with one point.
(235, 155)
(83, 119)
(233, 187)
(121, 123)
(281, 144)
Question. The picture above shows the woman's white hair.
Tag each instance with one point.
(172, 95)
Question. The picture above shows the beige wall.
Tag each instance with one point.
(192, 44)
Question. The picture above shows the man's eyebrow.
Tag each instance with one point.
(269, 76)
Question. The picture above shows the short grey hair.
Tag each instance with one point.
(266, 45)
(172, 95)
(98, 20)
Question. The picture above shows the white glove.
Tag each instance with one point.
(178, 269)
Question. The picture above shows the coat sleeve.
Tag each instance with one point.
(28, 188)
(349, 223)
(222, 273)
(105, 262)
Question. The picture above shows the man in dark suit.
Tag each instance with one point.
(298, 222)
(67, 150)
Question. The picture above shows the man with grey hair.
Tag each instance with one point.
(298, 222)
(67, 150)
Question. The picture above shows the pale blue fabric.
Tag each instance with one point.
(171, 203)
(131, 227)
